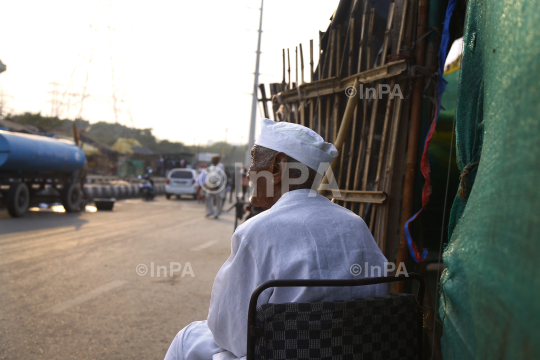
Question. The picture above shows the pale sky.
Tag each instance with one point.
(184, 67)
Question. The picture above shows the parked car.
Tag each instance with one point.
(181, 182)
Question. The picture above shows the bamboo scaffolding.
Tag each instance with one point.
(330, 86)
(364, 162)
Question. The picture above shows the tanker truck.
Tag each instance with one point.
(36, 169)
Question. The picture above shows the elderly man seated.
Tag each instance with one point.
(301, 235)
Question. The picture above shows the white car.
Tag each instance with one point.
(181, 182)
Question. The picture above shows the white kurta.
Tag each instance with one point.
(300, 237)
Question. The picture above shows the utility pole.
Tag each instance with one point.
(55, 106)
(254, 103)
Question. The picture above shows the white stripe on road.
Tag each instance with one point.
(204, 246)
(88, 296)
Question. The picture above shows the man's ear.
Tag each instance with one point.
(280, 167)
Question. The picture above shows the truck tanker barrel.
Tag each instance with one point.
(34, 169)
(34, 153)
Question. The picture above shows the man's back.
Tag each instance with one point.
(300, 237)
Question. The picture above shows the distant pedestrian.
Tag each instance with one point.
(231, 181)
(245, 183)
(215, 188)
(81, 179)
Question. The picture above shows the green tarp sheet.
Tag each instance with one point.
(490, 291)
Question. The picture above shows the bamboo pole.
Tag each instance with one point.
(359, 67)
(351, 46)
(343, 129)
(341, 157)
(338, 51)
(289, 69)
(311, 73)
(332, 44)
(364, 115)
(283, 81)
(319, 115)
(412, 143)
(327, 120)
(319, 67)
(302, 63)
(296, 69)
(302, 102)
(382, 219)
(336, 96)
(311, 114)
(388, 172)
(370, 38)
(335, 116)
(355, 119)
(375, 108)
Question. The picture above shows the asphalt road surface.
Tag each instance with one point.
(72, 285)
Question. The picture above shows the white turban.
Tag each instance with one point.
(296, 141)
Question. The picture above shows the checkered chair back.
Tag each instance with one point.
(369, 328)
(384, 328)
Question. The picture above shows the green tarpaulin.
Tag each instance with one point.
(490, 292)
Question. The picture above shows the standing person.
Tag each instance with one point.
(245, 183)
(301, 235)
(200, 182)
(81, 179)
(232, 183)
(215, 187)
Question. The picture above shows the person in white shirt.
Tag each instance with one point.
(215, 187)
(301, 235)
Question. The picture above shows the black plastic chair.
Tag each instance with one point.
(388, 327)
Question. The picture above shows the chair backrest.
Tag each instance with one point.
(379, 328)
(388, 327)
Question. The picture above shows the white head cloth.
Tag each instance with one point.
(296, 141)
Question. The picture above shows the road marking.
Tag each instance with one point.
(88, 296)
(204, 246)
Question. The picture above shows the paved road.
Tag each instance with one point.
(70, 289)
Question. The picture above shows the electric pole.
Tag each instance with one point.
(253, 122)
(55, 106)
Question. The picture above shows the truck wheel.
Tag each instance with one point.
(18, 199)
(71, 197)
